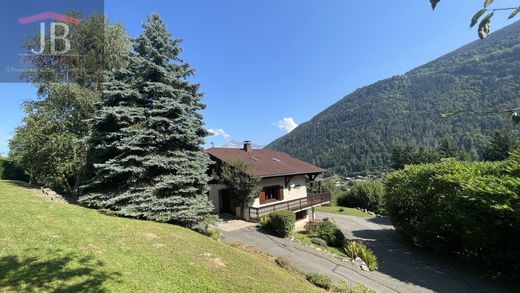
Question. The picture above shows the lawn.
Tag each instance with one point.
(50, 246)
(304, 238)
(346, 211)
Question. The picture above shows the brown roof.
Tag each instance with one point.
(264, 163)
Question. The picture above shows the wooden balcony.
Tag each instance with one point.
(295, 205)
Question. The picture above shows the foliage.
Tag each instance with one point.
(365, 195)
(500, 146)
(409, 154)
(447, 149)
(319, 242)
(516, 118)
(312, 227)
(329, 184)
(356, 249)
(81, 250)
(343, 287)
(280, 222)
(213, 233)
(242, 187)
(320, 280)
(331, 234)
(10, 171)
(146, 147)
(484, 26)
(467, 209)
(100, 46)
(305, 238)
(49, 144)
(358, 133)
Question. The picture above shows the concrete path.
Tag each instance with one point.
(401, 268)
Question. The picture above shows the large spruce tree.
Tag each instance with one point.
(115, 151)
(150, 141)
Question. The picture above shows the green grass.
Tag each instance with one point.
(305, 238)
(346, 211)
(49, 246)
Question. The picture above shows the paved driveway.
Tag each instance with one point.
(401, 268)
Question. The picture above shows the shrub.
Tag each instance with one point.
(213, 233)
(318, 241)
(263, 221)
(331, 234)
(470, 210)
(281, 223)
(319, 280)
(312, 227)
(344, 287)
(341, 210)
(9, 171)
(356, 249)
(365, 195)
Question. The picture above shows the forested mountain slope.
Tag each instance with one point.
(357, 133)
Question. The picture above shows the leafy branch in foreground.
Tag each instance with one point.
(484, 26)
(514, 113)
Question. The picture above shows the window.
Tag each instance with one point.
(271, 194)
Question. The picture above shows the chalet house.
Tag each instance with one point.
(286, 183)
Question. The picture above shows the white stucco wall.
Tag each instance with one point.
(213, 195)
(295, 189)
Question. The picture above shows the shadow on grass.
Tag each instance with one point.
(68, 199)
(19, 184)
(65, 273)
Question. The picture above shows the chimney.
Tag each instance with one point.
(247, 146)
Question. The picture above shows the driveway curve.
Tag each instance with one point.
(402, 268)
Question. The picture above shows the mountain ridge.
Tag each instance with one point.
(356, 133)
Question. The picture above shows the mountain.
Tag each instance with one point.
(233, 144)
(357, 133)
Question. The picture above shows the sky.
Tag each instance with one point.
(267, 66)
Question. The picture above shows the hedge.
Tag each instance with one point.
(281, 223)
(365, 195)
(470, 210)
(331, 234)
(9, 171)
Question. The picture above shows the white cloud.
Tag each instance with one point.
(287, 124)
(218, 132)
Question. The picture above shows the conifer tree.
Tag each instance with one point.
(115, 151)
(447, 148)
(150, 142)
(176, 168)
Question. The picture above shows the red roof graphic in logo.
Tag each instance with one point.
(49, 15)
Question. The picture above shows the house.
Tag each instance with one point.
(286, 183)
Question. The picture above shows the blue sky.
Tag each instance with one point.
(259, 62)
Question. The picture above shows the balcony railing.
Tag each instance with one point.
(291, 205)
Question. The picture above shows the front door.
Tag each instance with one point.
(225, 202)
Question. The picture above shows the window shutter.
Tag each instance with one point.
(280, 193)
(262, 197)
